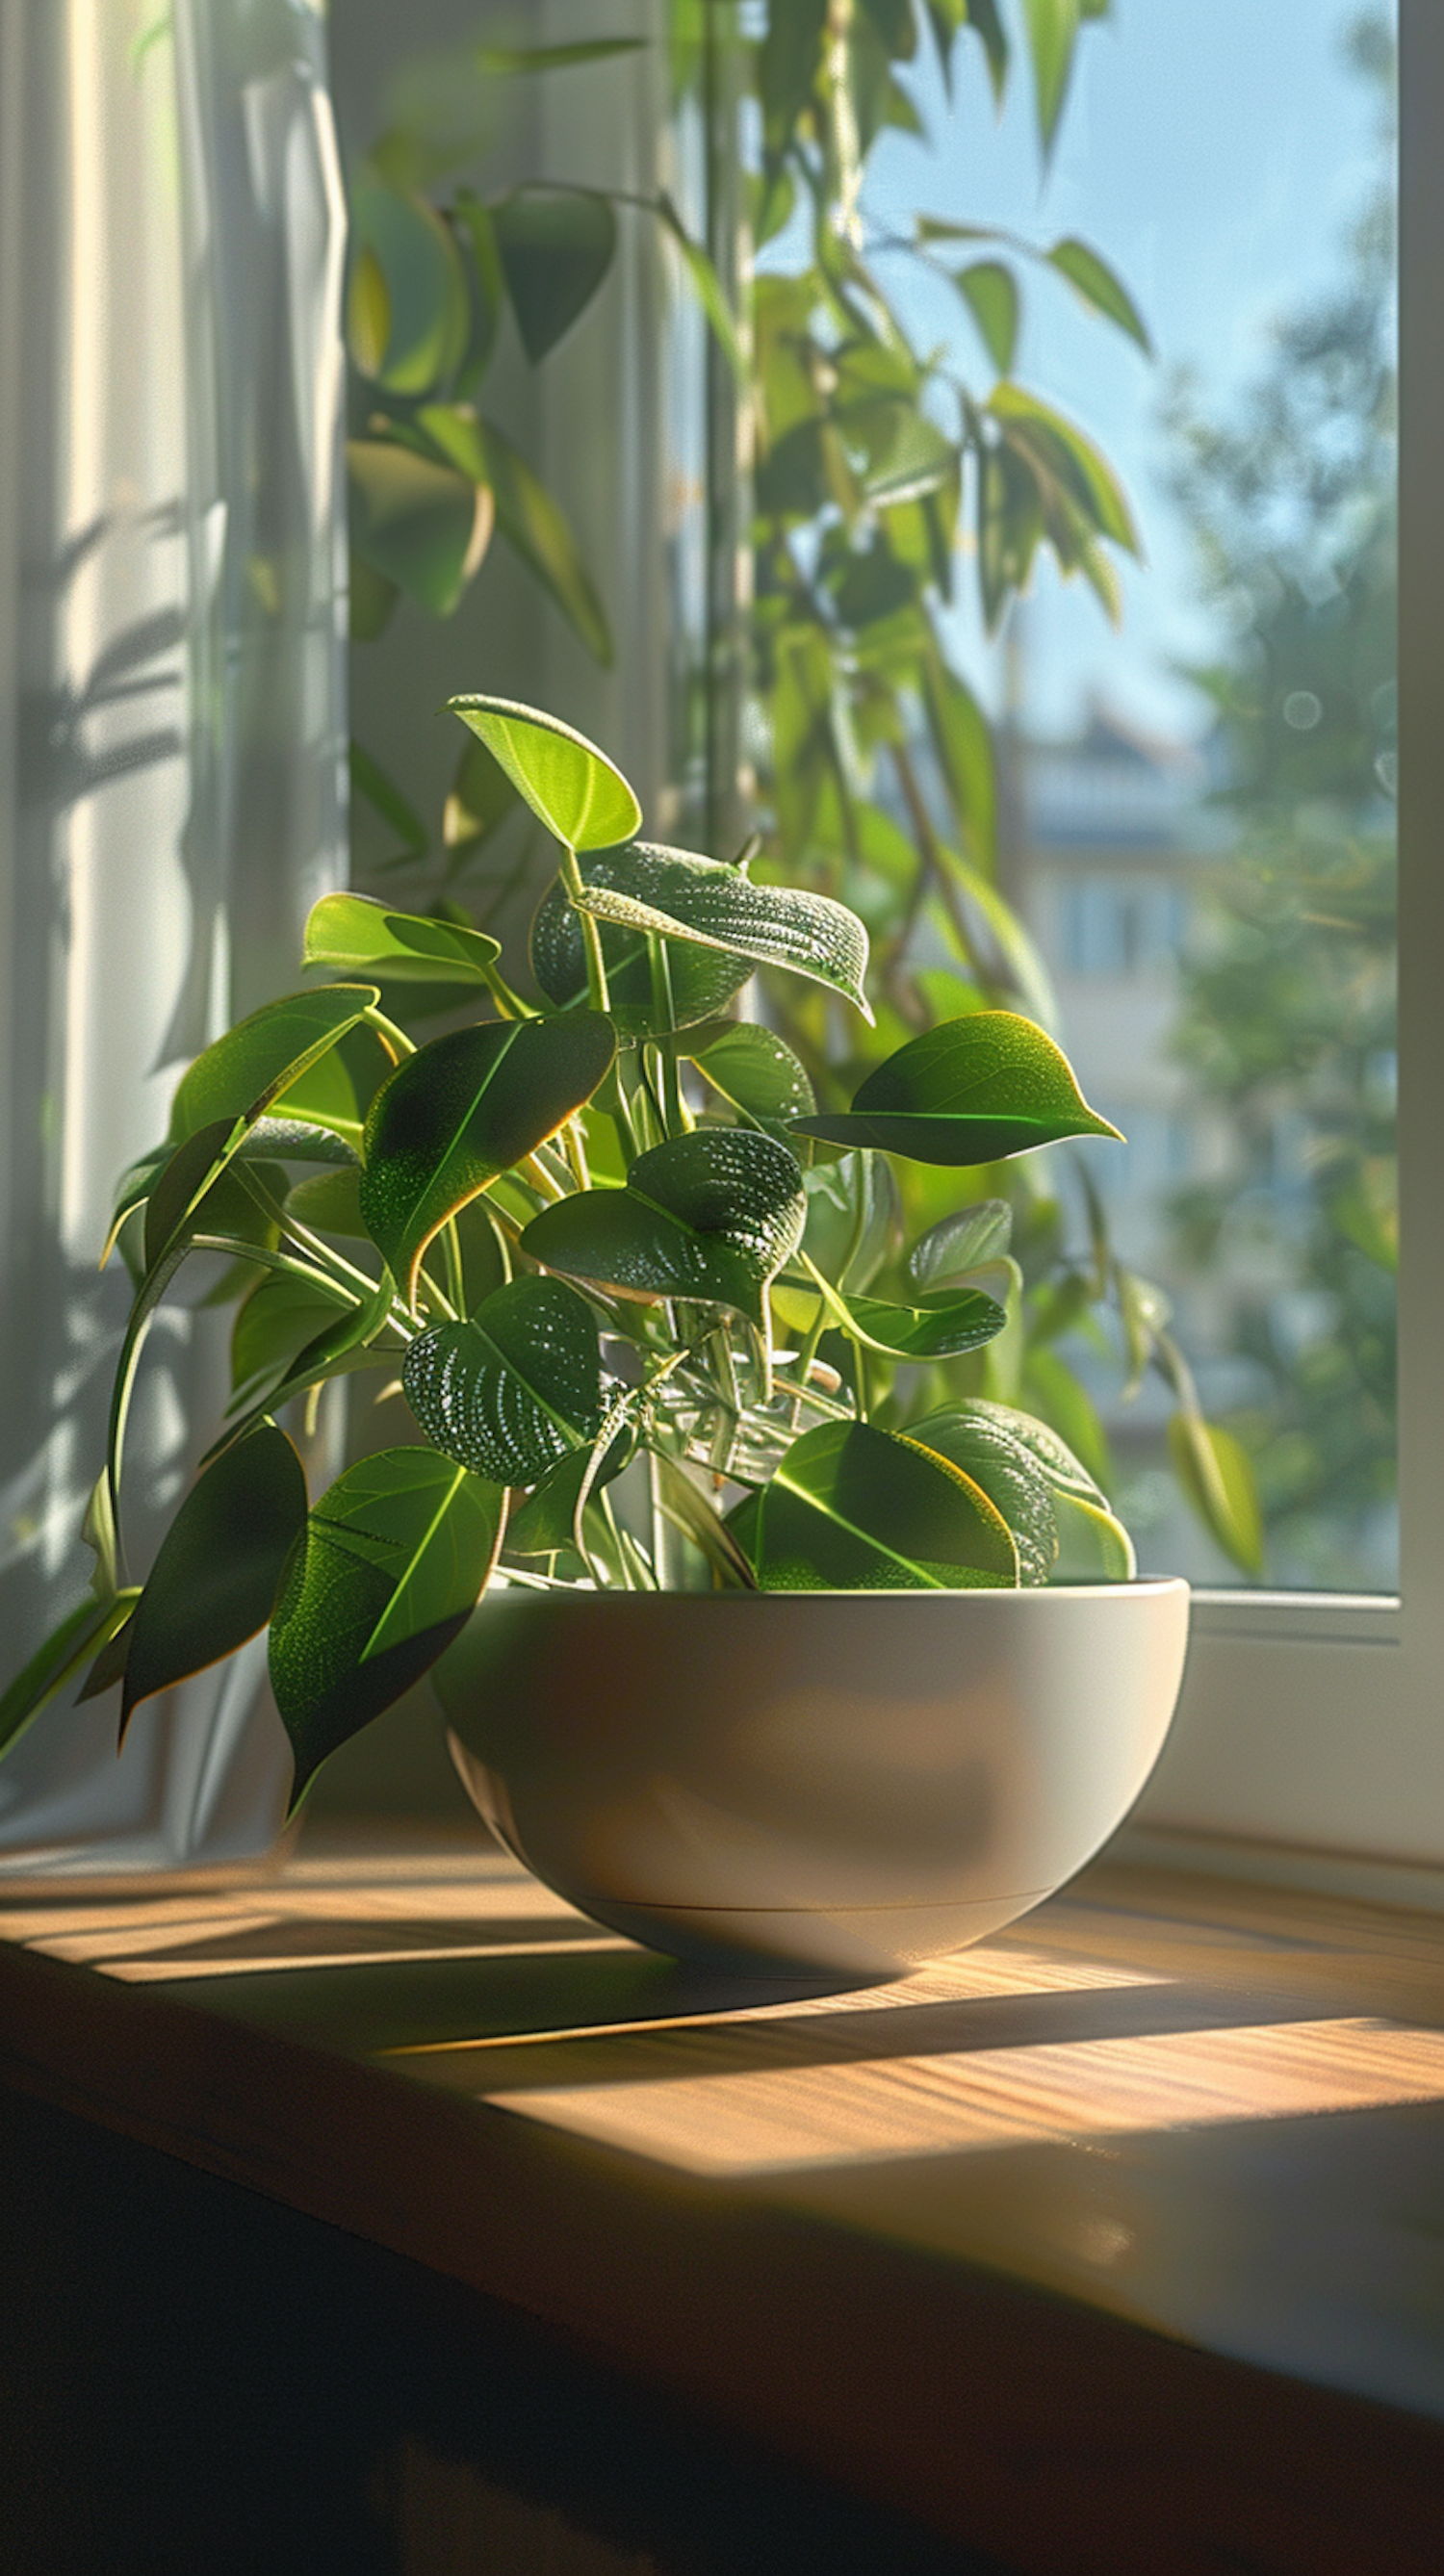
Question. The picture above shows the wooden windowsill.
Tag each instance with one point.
(1129, 2220)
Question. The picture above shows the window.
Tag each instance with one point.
(1316, 1722)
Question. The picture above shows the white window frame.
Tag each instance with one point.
(1309, 1740)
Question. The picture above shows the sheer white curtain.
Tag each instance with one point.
(171, 746)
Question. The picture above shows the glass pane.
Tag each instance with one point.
(1197, 817)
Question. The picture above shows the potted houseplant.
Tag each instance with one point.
(606, 1241)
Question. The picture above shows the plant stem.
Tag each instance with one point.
(510, 1004)
(675, 1118)
(591, 932)
(396, 1042)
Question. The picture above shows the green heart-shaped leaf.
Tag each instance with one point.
(702, 980)
(331, 1203)
(991, 1454)
(214, 1583)
(711, 1216)
(1051, 1455)
(551, 1521)
(972, 1091)
(939, 1328)
(385, 1573)
(461, 1111)
(573, 788)
(274, 1324)
(420, 525)
(757, 1072)
(555, 250)
(512, 1389)
(352, 932)
(673, 894)
(855, 1509)
(962, 1242)
(340, 1346)
(265, 1056)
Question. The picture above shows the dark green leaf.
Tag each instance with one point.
(990, 292)
(266, 1056)
(549, 1522)
(214, 1583)
(855, 1509)
(673, 894)
(109, 1665)
(132, 1191)
(331, 1203)
(571, 787)
(178, 1190)
(295, 1140)
(896, 26)
(972, 1091)
(788, 66)
(961, 1242)
(329, 1093)
(420, 524)
(506, 61)
(757, 1072)
(711, 1216)
(454, 1116)
(512, 1389)
(703, 980)
(280, 1316)
(986, 17)
(62, 1657)
(340, 1346)
(556, 247)
(355, 933)
(474, 233)
(386, 1572)
(939, 1328)
(1095, 281)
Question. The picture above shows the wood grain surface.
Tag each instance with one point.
(1113, 2245)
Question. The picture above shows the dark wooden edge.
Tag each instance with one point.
(1066, 2441)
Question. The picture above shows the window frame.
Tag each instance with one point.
(1308, 1733)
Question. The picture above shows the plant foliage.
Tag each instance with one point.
(587, 1250)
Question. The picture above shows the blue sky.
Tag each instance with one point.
(1214, 155)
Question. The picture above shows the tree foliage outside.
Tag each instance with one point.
(1289, 998)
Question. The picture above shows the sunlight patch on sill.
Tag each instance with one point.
(796, 2117)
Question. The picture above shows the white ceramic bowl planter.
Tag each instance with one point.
(849, 1782)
